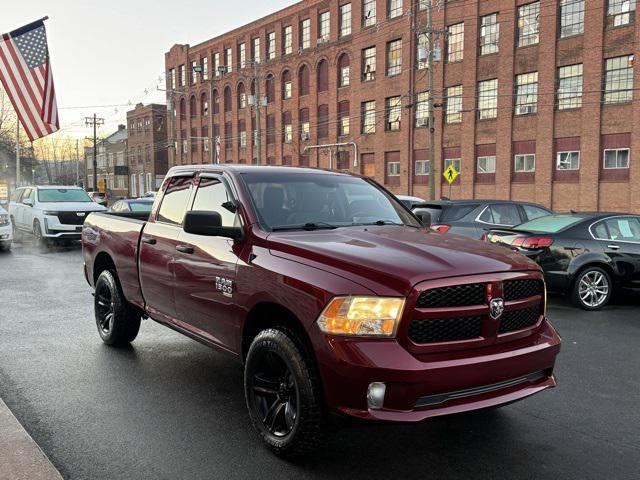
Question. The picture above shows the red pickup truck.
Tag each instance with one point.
(334, 296)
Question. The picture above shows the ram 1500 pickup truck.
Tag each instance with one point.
(334, 296)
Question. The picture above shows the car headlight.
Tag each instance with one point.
(4, 220)
(362, 316)
(50, 212)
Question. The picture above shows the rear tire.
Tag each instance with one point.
(283, 394)
(117, 321)
(592, 289)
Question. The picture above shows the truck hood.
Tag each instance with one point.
(72, 206)
(393, 257)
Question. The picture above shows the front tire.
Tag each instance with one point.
(592, 289)
(40, 240)
(118, 322)
(283, 394)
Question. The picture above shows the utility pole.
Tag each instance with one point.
(94, 121)
(430, 109)
(77, 162)
(258, 133)
(17, 153)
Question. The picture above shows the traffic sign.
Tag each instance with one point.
(450, 174)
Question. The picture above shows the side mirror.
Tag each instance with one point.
(198, 222)
(28, 202)
(424, 217)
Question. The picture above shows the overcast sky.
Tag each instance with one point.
(109, 52)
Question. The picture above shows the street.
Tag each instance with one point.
(170, 408)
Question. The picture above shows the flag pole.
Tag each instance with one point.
(17, 152)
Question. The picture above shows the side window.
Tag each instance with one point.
(25, 194)
(174, 202)
(486, 216)
(505, 214)
(625, 229)
(32, 196)
(531, 211)
(600, 231)
(15, 196)
(210, 196)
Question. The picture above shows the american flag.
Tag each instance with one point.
(25, 72)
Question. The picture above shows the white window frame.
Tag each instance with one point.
(524, 157)
(395, 9)
(324, 25)
(369, 13)
(287, 40)
(305, 33)
(421, 167)
(345, 20)
(369, 117)
(488, 99)
(271, 45)
(617, 150)
(456, 162)
(393, 169)
(528, 32)
(489, 34)
(455, 42)
(491, 159)
(567, 154)
(571, 18)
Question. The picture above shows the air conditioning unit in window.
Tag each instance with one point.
(304, 136)
(323, 40)
(422, 122)
(525, 109)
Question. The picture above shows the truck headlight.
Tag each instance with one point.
(4, 220)
(362, 316)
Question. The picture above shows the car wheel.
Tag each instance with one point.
(592, 289)
(283, 395)
(5, 247)
(17, 235)
(118, 322)
(40, 240)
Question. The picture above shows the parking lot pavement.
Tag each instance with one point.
(171, 408)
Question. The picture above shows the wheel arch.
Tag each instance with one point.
(596, 262)
(102, 262)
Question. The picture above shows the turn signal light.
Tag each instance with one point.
(362, 316)
(441, 228)
(532, 242)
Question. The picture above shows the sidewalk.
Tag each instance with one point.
(20, 456)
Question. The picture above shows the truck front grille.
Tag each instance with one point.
(453, 296)
(518, 319)
(72, 218)
(519, 289)
(445, 329)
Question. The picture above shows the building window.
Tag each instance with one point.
(204, 105)
(455, 42)
(345, 20)
(242, 97)
(368, 64)
(369, 117)
(525, 163)
(287, 128)
(185, 146)
(393, 113)
(305, 128)
(216, 64)
(193, 111)
(616, 158)
(489, 34)
(256, 50)
(343, 70)
(488, 99)
(242, 55)
(323, 121)
(394, 57)
(305, 34)
(453, 113)
(393, 169)
(286, 85)
(528, 24)
(621, 12)
(422, 167)
(228, 58)
(422, 109)
(571, 17)
(303, 81)
(456, 162)
(368, 13)
(271, 129)
(570, 87)
(343, 118)
(194, 72)
(270, 86)
(324, 26)
(172, 78)
(183, 75)
(568, 160)
(227, 99)
(323, 76)
(422, 53)
(287, 40)
(271, 45)
(242, 139)
(486, 164)
(618, 83)
(526, 93)
(394, 8)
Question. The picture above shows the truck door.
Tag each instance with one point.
(205, 271)
(158, 249)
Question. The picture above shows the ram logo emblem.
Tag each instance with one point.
(496, 307)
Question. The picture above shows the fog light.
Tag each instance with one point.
(375, 394)
(3, 237)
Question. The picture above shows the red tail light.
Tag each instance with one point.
(484, 237)
(441, 228)
(532, 242)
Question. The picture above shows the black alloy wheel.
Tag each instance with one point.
(117, 321)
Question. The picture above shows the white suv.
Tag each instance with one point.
(6, 232)
(51, 212)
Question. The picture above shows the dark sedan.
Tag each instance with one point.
(586, 255)
(138, 207)
(473, 218)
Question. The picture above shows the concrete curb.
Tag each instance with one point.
(20, 457)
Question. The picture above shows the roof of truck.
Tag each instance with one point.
(240, 168)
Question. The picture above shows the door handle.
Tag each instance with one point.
(614, 247)
(184, 249)
(149, 241)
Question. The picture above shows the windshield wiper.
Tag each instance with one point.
(305, 226)
(385, 222)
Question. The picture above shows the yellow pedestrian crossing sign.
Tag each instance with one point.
(450, 174)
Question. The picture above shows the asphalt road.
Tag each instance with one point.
(170, 408)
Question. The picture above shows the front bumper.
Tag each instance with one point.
(6, 234)
(54, 229)
(429, 385)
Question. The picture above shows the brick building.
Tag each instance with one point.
(112, 164)
(535, 100)
(148, 161)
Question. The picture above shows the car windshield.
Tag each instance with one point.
(307, 200)
(144, 207)
(550, 223)
(51, 195)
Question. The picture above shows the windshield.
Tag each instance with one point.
(50, 195)
(141, 206)
(550, 223)
(315, 200)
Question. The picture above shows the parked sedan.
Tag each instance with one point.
(137, 205)
(6, 230)
(586, 255)
(99, 198)
(473, 218)
(410, 201)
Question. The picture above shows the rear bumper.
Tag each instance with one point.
(420, 387)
